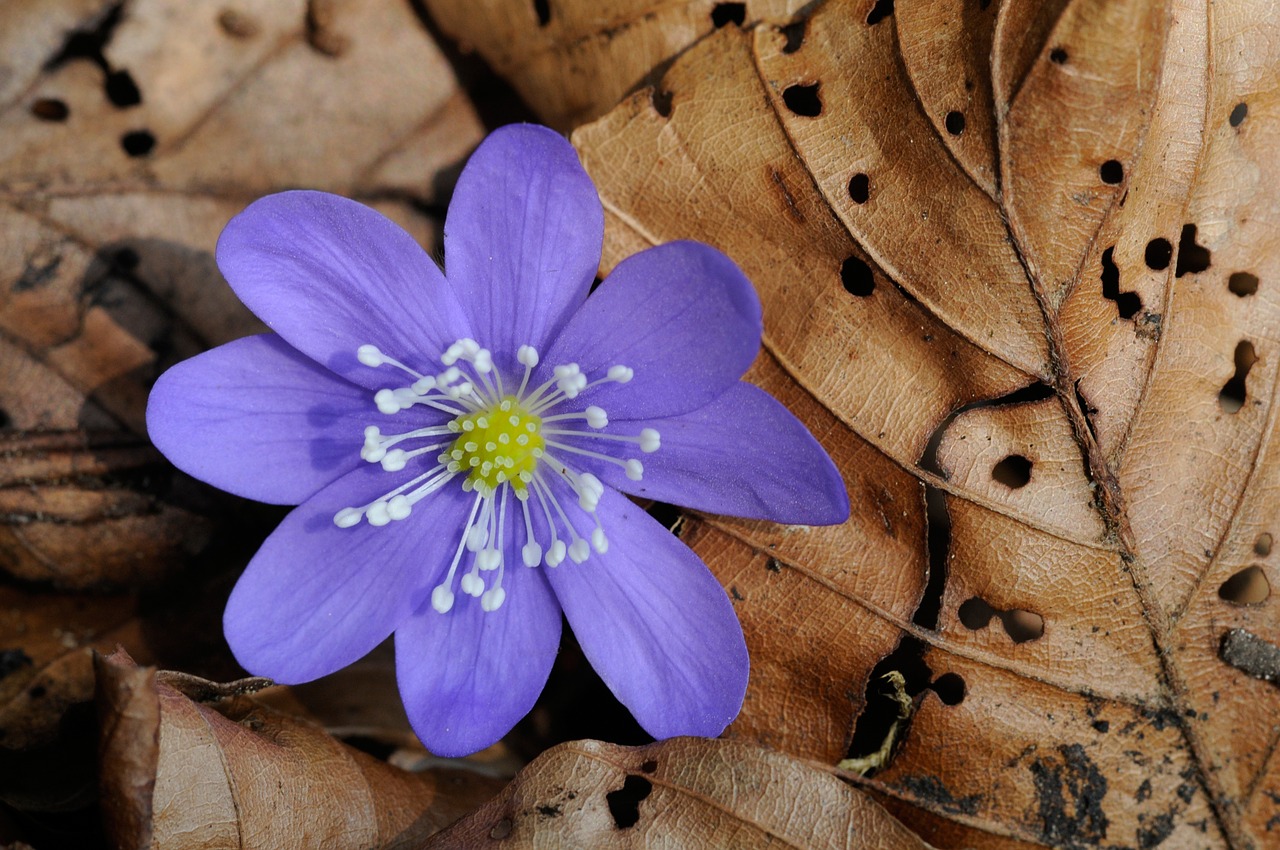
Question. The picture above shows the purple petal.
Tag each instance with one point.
(256, 418)
(742, 455)
(317, 597)
(522, 238)
(329, 275)
(681, 315)
(655, 624)
(467, 676)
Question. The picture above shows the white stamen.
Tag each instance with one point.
(555, 555)
(620, 373)
(598, 541)
(527, 356)
(650, 440)
(578, 551)
(369, 355)
(531, 554)
(492, 599)
(471, 584)
(442, 599)
(347, 517)
(635, 469)
(596, 417)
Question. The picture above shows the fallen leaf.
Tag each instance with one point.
(572, 60)
(130, 132)
(685, 792)
(234, 773)
(1029, 305)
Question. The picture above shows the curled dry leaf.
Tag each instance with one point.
(234, 773)
(685, 792)
(572, 60)
(1030, 306)
(130, 132)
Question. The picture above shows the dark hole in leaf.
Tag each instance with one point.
(1127, 303)
(1247, 587)
(1243, 283)
(11, 660)
(882, 10)
(668, 515)
(88, 43)
(661, 101)
(724, 14)
(950, 688)
(882, 707)
(1159, 253)
(859, 188)
(138, 143)
(1232, 396)
(1111, 172)
(50, 109)
(794, 34)
(6, 421)
(1262, 546)
(1238, 114)
(1013, 472)
(381, 750)
(37, 692)
(1022, 626)
(954, 122)
(649, 766)
(984, 4)
(802, 99)
(1058, 56)
(1192, 258)
(126, 259)
(122, 91)
(542, 8)
(857, 278)
(624, 803)
(975, 613)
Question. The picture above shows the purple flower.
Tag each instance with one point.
(456, 446)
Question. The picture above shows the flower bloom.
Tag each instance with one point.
(456, 443)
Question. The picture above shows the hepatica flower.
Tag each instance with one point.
(458, 445)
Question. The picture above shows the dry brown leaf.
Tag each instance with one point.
(572, 60)
(234, 773)
(130, 132)
(685, 792)
(1029, 304)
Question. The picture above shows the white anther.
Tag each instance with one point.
(531, 554)
(650, 440)
(599, 542)
(472, 584)
(620, 373)
(399, 507)
(488, 559)
(347, 517)
(377, 514)
(492, 599)
(484, 362)
(373, 453)
(470, 347)
(392, 461)
(422, 386)
(591, 483)
(527, 355)
(369, 355)
(477, 537)
(579, 551)
(442, 599)
(372, 433)
(596, 417)
(635, 469)
(555, 554)
(386, 401)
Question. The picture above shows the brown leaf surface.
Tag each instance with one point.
(572, 61)
(685, 792)
(234, 773)
(130, 132)
(1039, 339)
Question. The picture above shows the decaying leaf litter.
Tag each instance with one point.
(1015, 262)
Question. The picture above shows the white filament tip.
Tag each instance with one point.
(386, 401)
(492, 599)
(377, 514)
(373, 453)
(369, 355)
(347, 517)
(650, 440)
(635, 469)
(477, 537)
(531, 554)
(442, 599)
(394, 460)
(527, 355)
(472, 584)
(488, 559)
(599, 542)
(555, 554)
(422, 386)
(579, 551)
(621, 374)
(596, 417)
(399, 507)
(484, 363)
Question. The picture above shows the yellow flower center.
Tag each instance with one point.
(498, 444)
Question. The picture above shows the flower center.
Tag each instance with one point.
(497, 444)
(505, 442)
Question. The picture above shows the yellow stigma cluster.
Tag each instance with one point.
(498, 444)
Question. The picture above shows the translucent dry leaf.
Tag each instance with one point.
(1018, 265)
